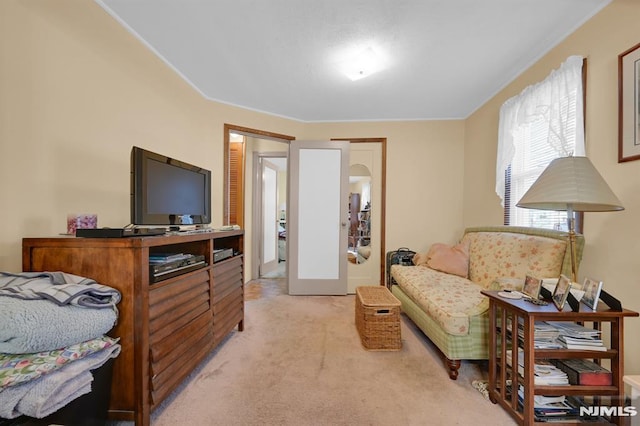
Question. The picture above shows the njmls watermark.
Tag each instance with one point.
(602, 410)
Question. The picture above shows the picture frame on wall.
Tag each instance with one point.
(629, 104)
(561, 292)
(532, 286)
(592, 289)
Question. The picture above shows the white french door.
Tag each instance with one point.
(317, 227)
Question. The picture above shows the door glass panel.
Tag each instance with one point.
(359, 241)
(319, 216)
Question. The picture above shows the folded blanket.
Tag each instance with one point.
(19, 368)
(28, 326)
(60, 288)
(41, 397)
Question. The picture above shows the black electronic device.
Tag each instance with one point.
(119, 232)
(166, 191)
(159, 276)
(163, 267)
(222, 254)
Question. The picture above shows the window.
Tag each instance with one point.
(540, 124)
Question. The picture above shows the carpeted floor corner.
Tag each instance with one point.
(299, 361)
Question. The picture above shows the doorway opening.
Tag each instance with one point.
(367, 211)
(270, 212)
(238, 195)
(244, 149)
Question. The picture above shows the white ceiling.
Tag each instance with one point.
(444, 58)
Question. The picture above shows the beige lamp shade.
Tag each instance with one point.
(570, 183)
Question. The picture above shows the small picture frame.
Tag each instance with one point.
(532, 286)
(592, 289)
(561, 292)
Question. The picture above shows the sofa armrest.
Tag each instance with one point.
(507, 284)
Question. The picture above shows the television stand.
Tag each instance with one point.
(166, 328)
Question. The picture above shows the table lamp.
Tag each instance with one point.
(571, 184)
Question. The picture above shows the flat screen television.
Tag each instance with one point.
(165, 191)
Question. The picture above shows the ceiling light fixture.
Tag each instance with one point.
(363, 64)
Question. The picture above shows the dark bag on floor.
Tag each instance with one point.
(402, 256)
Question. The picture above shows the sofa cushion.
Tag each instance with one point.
(494, 255)
(449, 299)
(449, 259)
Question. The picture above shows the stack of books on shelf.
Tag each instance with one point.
(167, 265)
(545, 336)
(585, 344)
(576, 336)
(547, 408)
(520, 328)
(545, 372)
(558, 409)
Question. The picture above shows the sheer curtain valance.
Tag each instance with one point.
(548, 114)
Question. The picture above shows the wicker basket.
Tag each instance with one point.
(378, 318)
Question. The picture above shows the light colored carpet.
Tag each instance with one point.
(300, 362)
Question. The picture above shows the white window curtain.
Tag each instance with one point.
(543, 122)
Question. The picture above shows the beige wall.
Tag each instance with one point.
(425, 161)
(612, 239)
(78, 91)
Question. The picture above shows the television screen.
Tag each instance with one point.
(165, 191)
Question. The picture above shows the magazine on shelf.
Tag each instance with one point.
(578, 337)
(585, 347)
(573, 329)
(549, 406)
(568, 414)
(540, 401)
(545, 373)
(581, 341)
(544, 335)
(544, 330)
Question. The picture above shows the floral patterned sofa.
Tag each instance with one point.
(450, 309)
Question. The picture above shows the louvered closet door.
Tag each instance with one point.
(236, 183)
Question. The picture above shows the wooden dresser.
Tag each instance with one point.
(165, 328)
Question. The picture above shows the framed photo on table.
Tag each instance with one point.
(561, 292)
(532, 287)
(592, 289)
(628, 105)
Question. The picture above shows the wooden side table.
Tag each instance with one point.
(505, 315)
